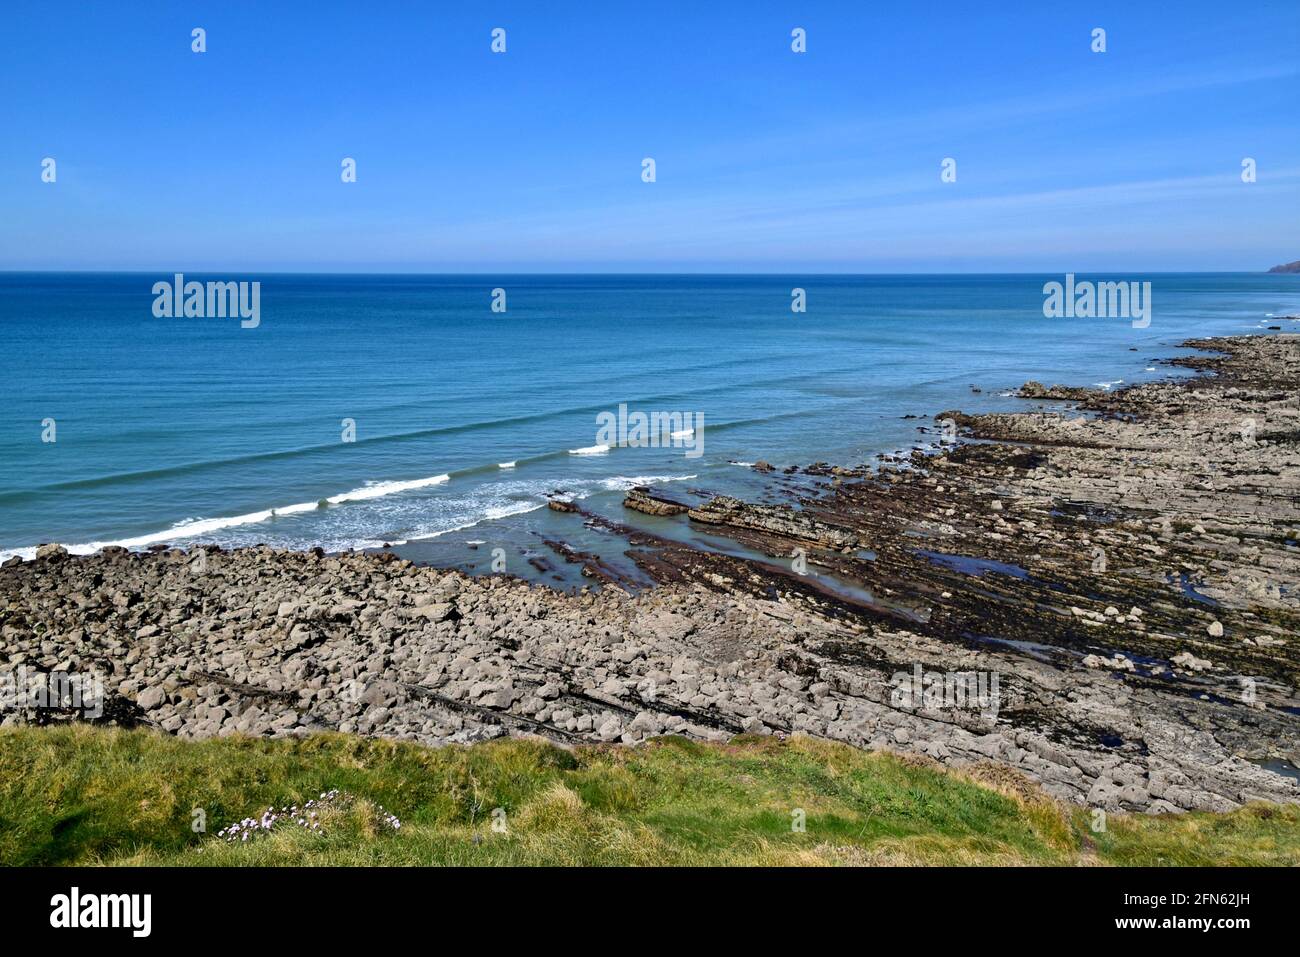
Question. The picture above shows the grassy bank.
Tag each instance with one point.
(82, 795)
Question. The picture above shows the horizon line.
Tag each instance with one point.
(577, 272)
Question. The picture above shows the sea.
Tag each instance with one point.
(436, 414)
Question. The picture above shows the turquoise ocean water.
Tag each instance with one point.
(190, 430)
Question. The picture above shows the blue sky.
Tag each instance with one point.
(767, 160)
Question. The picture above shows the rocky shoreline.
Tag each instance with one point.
(1122, 567)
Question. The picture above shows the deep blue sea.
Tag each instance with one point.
(190, 430)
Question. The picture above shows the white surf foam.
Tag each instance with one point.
(380, 489)
(193, 528)
(491, 514)
(621, 483)
(590, 450)
(494, 502)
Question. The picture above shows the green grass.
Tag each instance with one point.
(82, 795)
